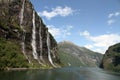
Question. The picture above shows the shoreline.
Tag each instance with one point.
(12, 69)
(17, 69)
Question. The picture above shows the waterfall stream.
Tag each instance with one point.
(33, 43)
(24, 32)
(48, 46)
(41, 57)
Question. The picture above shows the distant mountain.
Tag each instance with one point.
(73, 55)
(111, 59)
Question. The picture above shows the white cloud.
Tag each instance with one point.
(53, 30)
(115, 14)
(85, 33)
(66, 31)
(105, 40)
(111, 16)
(88, 46)
(58, 11)
(60, 32)
(100, 50)
(110, 21)
(101, 42)
(46, 7)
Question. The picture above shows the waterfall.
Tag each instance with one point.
(48, 46)
(21, 15)
(33, 44)
(41, 57)
(23, 35)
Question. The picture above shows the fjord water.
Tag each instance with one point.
(68, 73)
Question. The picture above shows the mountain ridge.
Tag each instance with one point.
(85, 56)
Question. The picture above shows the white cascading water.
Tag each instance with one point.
(23, 36)
(48, 46)
(33, 44)
(21, 15)
(41, 57)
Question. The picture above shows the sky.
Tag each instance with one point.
(94, 24)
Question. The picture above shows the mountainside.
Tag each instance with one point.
(24, 38)
(71, 54)
(111, 59)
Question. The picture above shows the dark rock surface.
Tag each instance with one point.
(111, 58)
(17, 21)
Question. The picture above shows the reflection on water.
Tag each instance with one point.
(60, 74)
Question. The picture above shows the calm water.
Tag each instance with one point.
(69, 73)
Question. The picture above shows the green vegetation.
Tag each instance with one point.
(10, 55)
(111, 60)
(73, 55)
(36, 65)
(11, 35)
(111, 67)
(69, 59)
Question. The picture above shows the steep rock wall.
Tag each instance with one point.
(111, 58)
(19, 22)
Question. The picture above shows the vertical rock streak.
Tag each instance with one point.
(48, 46)
(33, 43)
(41, 57)
(23, 35)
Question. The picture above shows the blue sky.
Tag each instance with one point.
(94, 24)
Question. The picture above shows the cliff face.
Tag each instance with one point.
(73, 55)
(21, 25)
(111, 59)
